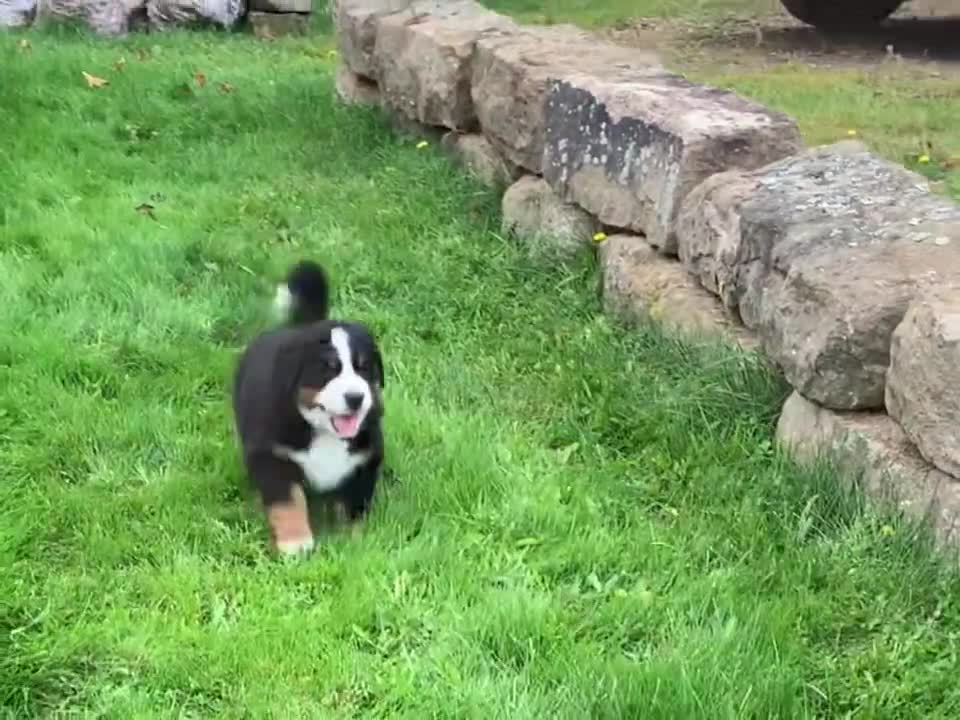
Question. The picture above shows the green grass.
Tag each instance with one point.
(577, 522)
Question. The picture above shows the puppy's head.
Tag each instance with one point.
(335, 376)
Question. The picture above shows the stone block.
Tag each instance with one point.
(423, 56)
(629, 147)
(547, 225)
(475, 153)
(923, 382)
(355, 24)
(510, 77)
(353, 89)
(641, 285)
(820, 254)
(874, 447)
(268, 25)
(281, 6)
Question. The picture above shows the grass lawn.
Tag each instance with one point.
(577, 523)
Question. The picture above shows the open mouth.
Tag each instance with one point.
(345, 426)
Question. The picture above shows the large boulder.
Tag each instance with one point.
(510, 76)
(548, 226)
(104, 17)
(17, 13)
(873, 447)
(640, 285)
(821, 254)
(923, 382)
(423, 58)
(630, 146)
(355, 22)
(170, 14)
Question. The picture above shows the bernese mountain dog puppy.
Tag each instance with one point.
(308, 404)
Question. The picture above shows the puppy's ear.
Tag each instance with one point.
(286, 373)
(378, 364)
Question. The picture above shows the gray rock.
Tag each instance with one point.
(170, 14)
(104, 17)
(281, 6)
(923, 382)
(546, 224)
(893, 472)
(355, 23)
(269, 25)
(17, 13)
(708, 232)
(640, 285)
(510, 77)
(353, 89)
(474, 152)
(423, 56)
(820, 254)
(630, 146)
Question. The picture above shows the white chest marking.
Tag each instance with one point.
(326, 463)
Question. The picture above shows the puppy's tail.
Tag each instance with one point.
(304, 296)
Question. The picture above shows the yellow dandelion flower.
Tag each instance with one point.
(599, 237)
(886, 530)
(923, 159)
(851, 132)
(422, 144)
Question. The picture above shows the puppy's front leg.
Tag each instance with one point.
(284, 502)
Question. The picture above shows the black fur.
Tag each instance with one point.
(269, 374)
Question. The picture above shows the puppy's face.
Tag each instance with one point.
(339, 381)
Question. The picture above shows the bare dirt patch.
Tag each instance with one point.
(923, 36)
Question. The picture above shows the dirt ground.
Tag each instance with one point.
(923, 36)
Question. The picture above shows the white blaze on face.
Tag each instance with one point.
(333, 413)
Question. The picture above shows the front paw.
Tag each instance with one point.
(295, 547)
(290, 525)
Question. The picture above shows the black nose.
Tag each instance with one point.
(353, 400)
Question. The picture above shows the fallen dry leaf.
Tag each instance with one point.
(93, 81)
(200, 79)
(143, 55)
(951, 163)
(146, 209)
(120, 64)
(226, 87)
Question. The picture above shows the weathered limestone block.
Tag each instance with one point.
(269, 25)
(355, 22)
(353, 89)
(923, 382)
(17, 13)
(821, 254)
(474, 152)
(873, 444)
(630, 147)
(640, 285)
(104, 17)
(533, 212)
(510, 76)
(281, 6)
(423, 56)
(167, 14)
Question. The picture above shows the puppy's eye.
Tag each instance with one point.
(361, 363)
(333, 364)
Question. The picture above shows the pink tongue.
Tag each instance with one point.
(346, 425)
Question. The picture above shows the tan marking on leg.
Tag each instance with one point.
(290, 524)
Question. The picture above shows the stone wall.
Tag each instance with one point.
(710, 215)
